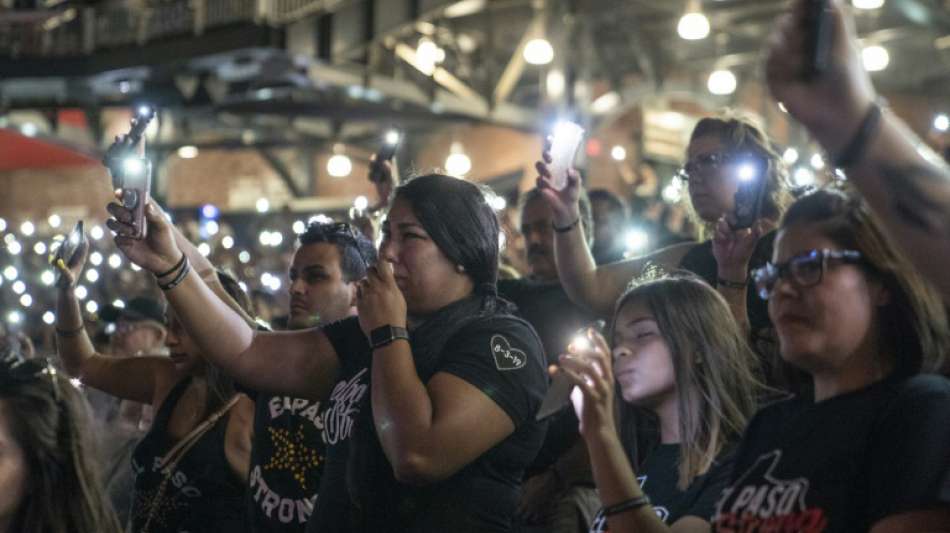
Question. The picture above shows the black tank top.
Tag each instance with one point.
(203, 494)
(776, 372)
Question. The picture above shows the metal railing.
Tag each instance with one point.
(113, 26)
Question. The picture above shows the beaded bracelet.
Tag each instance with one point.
(627, 505)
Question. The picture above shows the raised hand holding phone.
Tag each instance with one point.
(70, 258)
(131, 171)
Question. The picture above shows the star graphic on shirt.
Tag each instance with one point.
(147, 502)
(292, 454)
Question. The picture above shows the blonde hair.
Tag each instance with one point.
(740, 133)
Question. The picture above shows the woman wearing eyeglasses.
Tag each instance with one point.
(190, 468)
(721, 153)
(868, 451)
(49, 482)
(434, 422)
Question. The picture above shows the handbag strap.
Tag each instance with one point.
(171, 459)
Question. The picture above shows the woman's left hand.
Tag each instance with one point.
(379, 300)
(589, 367)
(733, 248)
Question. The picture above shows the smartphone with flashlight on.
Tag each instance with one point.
(132, 173)
(559, 392)
(751, 175)
(70, 247)
(386, 152)
(565, 141)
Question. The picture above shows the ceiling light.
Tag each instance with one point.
(458, 164)
(605, 102)
(619, 153)
(339, 166)
(722, 82)
(942, 122)
(867, 4)
(262, 205)
(538, 52)
(790, 156)
(875, 58)
(188, 152)
(693, 26)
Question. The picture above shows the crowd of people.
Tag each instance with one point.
(791, 375)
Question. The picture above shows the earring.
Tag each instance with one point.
(460, 269)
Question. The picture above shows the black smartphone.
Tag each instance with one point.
(70, 246)
(751, 175)
(818, 33)
(386, 152)
(131, 173)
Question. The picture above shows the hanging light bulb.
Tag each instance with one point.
(722, 82)
(693, 25)
(339, 165)
(538, 52)
(458, 164)
(875, 58)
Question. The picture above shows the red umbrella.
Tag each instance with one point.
(20, 152)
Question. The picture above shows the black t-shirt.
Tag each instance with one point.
(499, 355)
(202, 494)
(287, 457)
(557, 320)
(658, 479)
(843, 464)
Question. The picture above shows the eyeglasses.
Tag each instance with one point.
(17, 370)
(702, 165)
(804, 270)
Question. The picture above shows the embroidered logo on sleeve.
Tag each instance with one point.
(506, 357)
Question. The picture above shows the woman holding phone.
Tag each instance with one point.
(722, 152)
(191, 466)
(677, 358)
(433, 388)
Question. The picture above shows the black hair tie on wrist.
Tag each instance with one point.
(174, 268)
(566, 228)
(858, 144)
(627, 505)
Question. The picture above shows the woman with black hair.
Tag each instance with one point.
(868, 451)
(437, 382)
(190, 468)
(49, 482)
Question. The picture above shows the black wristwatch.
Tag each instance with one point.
(384, 335)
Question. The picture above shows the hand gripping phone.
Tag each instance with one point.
(559, 391)
(70, 247)
(386, 152)
(752, 175)
(564, 144)
(132, 173)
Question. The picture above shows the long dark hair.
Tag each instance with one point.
(716, 372)
(914, 322)
(49, 422)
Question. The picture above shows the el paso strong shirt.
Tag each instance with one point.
(502, 357)
(842, 464)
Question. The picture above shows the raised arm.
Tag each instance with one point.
(301, 363)
(594, 287)
(141, 379)
(902, 179)
(623, 498)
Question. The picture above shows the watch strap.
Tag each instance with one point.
(385, 335)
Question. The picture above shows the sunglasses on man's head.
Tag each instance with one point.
(804, 270)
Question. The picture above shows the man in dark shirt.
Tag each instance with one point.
(558, 492)
(291, 435)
